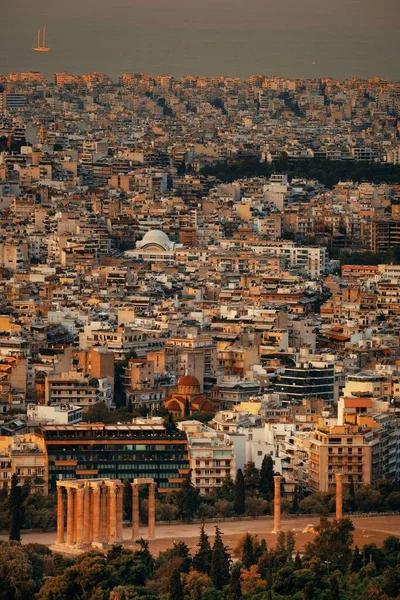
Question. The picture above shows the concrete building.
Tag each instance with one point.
(211, 456)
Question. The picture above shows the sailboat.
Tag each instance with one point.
(40, 44)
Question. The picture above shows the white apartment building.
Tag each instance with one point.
(211, 456)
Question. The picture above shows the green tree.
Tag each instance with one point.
(356, 561)
(248, 558)
(251, 477)
(332, 544)
(295, 501)
(219, 562)
(334, 591)
(235, 587)
(202, 558)
(352, 496)
(391, 582)
(227, 488)
(308, 591)
(16, 573)
(175, 586)
(15, 510)
(267, 477)
(240, 495)
(188, 498)
(127, 500)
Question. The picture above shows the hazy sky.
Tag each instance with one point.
(306, 38)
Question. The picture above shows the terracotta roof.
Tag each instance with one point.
(188, 381)
(358, 403)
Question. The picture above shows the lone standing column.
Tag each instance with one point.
(135, 511)
(152, 511)
(339, 495)
(60, 515)
(79, 516)
(277, 503)
(70, 516)
(87, 534)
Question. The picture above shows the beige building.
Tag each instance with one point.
(73, 388)
(98, 362)
(13, 254)
(211, 456)
(139, 384)
(351, 449)
(21, 455)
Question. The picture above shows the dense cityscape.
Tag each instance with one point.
(199, 289)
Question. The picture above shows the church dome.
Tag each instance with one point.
(188, 381)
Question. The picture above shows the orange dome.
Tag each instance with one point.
(188, 381)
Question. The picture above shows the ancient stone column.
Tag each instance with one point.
(339, 495)
(70, 516)
(79, 515)
(96, 528)
(112, 514)
(152, 511)
(277, 503)
(104, 522)
(87, 516)
(135, 511)
(120, 513)
(60, 515)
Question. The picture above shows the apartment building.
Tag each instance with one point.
(350, 449)
(211, 456)
(311, 376)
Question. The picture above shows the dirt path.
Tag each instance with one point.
(368, 530)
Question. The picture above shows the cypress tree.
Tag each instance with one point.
(175, 587)
(297, 561)
(356, 561)
(203, 556)
(15, 510)
(227, 488)
(267, 477)
(187, 408)
(188, 498)
(308, 591)
(219, 562)
(239, 500)
(248, 552)
(251, 478)
(235, 587)
(259, 551)
(127, 500)
(334, 592)
(352, 495)
(295, 503)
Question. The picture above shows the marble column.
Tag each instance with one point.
(87, 520)
(135, 511)
(152, 511)
(277, 503)
(96, 515)
(104, 523)
(120, 513)
(60, 515)
(79, 495)
(70, 516)
(112, 514)
(339, 495)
